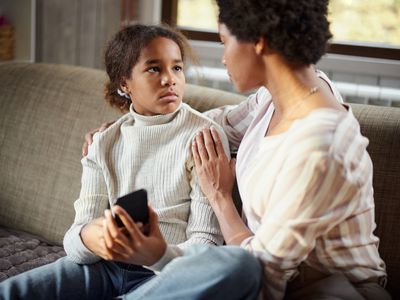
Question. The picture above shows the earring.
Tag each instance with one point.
(123, 94)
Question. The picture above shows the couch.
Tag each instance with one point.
(46, 109)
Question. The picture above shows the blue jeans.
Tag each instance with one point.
(204, 272)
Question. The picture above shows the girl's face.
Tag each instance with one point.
(157, 81)
(240, 58)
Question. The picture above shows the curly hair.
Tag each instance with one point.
(296, 29)
(123, 52)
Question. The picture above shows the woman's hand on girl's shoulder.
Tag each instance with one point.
(90, 134)
(215, 172)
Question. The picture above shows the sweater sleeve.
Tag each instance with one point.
(309, 198)
(92, 202)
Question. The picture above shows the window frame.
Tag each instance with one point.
(169, 16)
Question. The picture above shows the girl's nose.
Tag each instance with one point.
(167, 80)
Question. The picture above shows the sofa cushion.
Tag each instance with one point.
(20, 252)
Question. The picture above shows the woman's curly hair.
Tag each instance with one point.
(296, 29)
(123, 51)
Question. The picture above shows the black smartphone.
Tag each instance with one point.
(135, 204)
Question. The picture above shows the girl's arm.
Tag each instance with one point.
(82, 242)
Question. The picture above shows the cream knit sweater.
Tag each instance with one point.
(152, 153)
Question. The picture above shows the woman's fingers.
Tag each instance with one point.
(209, 143)
(195, 153)
(90, 134)
(219, 148)
(201, 149)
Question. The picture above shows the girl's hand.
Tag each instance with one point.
(130, 244)
(216, 174)
(93, 238)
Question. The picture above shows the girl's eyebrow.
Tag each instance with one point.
(155, 61)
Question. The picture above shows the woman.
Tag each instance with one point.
(303, 172)
(149, 147)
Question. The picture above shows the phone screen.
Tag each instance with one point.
(135, 204)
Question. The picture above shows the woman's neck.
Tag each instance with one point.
(288, 85)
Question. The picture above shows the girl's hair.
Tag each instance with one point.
(123, 51)
(296, 29)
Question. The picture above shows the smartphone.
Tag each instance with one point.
(135, 204)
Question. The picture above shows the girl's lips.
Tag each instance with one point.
(169, 97)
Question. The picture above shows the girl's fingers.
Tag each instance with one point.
(133, 231)
(106, 235)
(209, 143)
(115, 232)
(153, 220)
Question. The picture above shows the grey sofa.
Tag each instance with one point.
(45, 110)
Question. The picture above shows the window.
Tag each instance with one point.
(360, 28)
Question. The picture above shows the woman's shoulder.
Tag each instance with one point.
(329, 130)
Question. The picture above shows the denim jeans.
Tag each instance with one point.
(204, 272)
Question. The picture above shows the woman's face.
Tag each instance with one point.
(157, 81)
(241, 60)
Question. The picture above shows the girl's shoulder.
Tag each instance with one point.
(197, 118)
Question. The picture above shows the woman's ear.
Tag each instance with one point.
(260, 46)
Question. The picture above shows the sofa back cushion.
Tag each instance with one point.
(381, 125)
(45, 110)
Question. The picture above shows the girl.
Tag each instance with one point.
(147, 148)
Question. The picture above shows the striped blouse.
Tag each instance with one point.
(307, 193)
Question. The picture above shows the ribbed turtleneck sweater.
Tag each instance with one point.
(154, 153)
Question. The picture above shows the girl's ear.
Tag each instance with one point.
(124, 86)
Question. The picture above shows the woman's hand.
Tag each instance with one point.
(216, 174)
(90, 134)
(130, 244)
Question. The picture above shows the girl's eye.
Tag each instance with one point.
(153, 69)
(178, 68)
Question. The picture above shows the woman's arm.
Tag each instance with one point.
(236, 119)
(216, 176)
